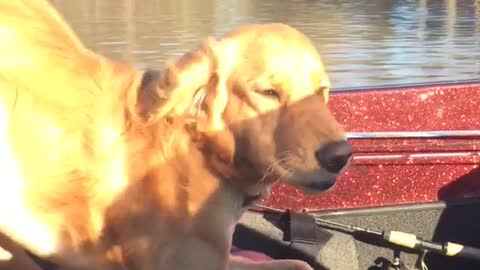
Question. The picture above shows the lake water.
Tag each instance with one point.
(363, 42)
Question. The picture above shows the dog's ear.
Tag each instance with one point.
(210, 123)
(172, 91)
(213, 100)
(196, 86)
(149, 96)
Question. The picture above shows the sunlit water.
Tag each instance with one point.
(363, 42)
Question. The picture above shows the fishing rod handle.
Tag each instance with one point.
(448, 248)
(412, 241)
(454, 249)
(400, 238)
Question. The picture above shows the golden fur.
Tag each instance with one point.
(107, 167)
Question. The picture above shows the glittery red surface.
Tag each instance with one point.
(451, 173)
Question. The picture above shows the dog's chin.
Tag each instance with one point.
(313, 182)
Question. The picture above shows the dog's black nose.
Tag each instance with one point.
(334, 156)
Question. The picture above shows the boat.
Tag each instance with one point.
(415, 170)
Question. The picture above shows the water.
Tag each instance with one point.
(363, 42)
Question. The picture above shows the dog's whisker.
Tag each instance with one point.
(284, 154)
(271, 169)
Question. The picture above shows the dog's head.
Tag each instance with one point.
(259, 96)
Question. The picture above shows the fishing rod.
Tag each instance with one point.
(398, 238)
(409, 240)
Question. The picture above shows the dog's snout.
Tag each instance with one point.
(334, 156)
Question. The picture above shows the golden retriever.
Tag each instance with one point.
(108, 167)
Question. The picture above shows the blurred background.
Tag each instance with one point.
(363, 42)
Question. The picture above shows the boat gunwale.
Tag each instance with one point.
(431, 134)
(406, 86)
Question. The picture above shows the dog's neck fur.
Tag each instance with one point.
(177, 154)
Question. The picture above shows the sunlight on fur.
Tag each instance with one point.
(13, 213)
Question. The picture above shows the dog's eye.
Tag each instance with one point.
(271, 93)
